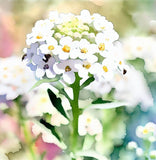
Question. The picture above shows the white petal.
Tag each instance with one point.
(69, 77)
(64, 56)
(50, 74)
(40, 72)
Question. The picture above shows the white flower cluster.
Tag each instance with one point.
(133, 146)
(68, 43)
(147, 132)
(141, 47)
(15, 79)
(123, 84)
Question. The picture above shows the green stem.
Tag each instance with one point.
(75, 112)
(26, 132)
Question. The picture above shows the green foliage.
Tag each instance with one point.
(56, 103)
(52, 128)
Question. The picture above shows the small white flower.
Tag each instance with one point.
(85, 16)
(44, 24)
(29, 55)
(86, 50)
(147, 132)
(67, 68)
(15, 78)
(132, 145)
(38, 104)
(103, 44)
(66, 48)
(50, 47)
(152, 154)
(139, 152)
(101, 24)
(54, 17)
(84, 68)
(46, 68)
(106, 70)
(88, 124)
(39, 34)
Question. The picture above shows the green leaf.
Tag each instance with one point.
(52, 128)
(100, 101)
(44, 81)
(138, 64)
(87, 82)
(56, 103)
(107, 105)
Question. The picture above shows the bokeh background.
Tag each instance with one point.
(130, 18)
(17, 17)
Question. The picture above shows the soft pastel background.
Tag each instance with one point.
(130, 18)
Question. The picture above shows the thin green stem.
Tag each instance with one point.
(75, 112)
(26, 132)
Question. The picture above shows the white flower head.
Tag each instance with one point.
(65, 48)
(103, 44)
(89, 125)
(101, 24)
(45, 68)
(139, 152)
(39, 33)
(132, 145)
(50, 47)
(147, 132)
(86, 50)
(67, 68)
(66, 43)
(15, 78)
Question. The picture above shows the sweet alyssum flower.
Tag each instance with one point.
(141, 47)
(147, 132)
(89, 125)
(63, 39)
(148, 135)
(76, 52)
(15, 78)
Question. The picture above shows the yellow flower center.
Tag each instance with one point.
(101, 47)
(145, 131)
(102, 27)
(105, 68)
(39, 37)
(120, 62)
(84, 50)
(20, 70)
(66, 48)
(67, 69)
(5, 68)
(5, 76)
(87, 66)
(88, 120)
(139, 48)
(51, 47)
(24, 80)
(43, 100)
